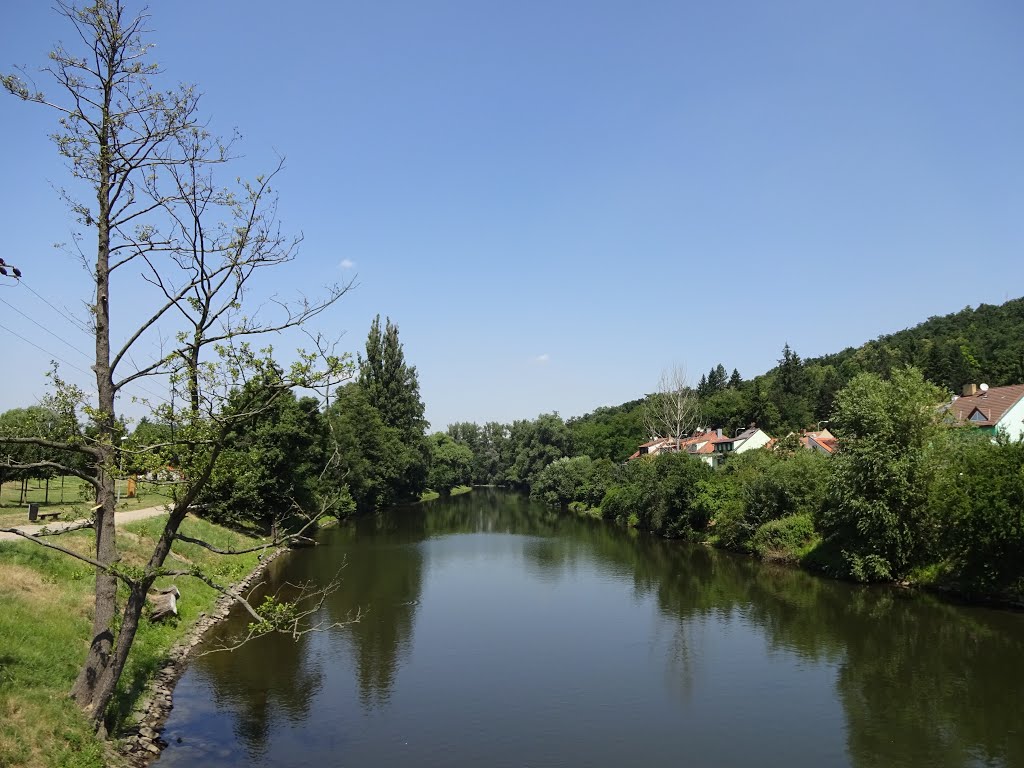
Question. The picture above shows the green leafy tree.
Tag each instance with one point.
(269, 467)
(578, 478)
(610, 432)
(892, 438)
(392, 387)
(980, 496)
(451, 464)
(369, 459)
(791, 391)
(25, 461)
(534, 445)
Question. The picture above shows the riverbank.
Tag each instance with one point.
(142, 743)
(45, 613)
(795, 547)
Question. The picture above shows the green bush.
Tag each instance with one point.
(981, 497)
(786, 539)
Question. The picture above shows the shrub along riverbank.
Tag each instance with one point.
(908, 497)
(46, 600)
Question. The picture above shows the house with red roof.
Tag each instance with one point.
(992, 409)
(710, 445)
(821, 441)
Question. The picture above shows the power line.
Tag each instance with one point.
(48, 352)
(55, 356)
(62, 313)
(43, 327)
(64, 341)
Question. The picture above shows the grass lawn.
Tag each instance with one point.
(72, 497)
(45, 615)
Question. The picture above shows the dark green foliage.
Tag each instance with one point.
(722, 498)
(451, 464)
(983, 344)
(535, 444)
(713, 381)
(34, 421)
(728, 409)
(609, 433)
(580, 479)
(877, 509)
(489, 445)
(391, 387)
(658, 494)
(268, 470)
(370, 460)
(981, 497)
(760, 486)
(792, 393)
(785, 539)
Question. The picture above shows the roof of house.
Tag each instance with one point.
(747, 433)
(705, 447)
(828, 444)
(992, 405)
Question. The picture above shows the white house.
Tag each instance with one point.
(993, 409)
(749, 439)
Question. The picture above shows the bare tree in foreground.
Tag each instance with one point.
(143, 177)
(673, 410)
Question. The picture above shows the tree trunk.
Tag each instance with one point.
(90, 689)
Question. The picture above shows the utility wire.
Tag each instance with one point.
(43, 327)
(77, 323)
(55, 356)
(51, 354)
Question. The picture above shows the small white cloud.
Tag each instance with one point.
(542, 358)
(346, 264)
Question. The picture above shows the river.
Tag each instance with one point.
(495, 632)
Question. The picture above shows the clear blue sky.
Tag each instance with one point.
(556, 200)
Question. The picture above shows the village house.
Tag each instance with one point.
(709, 446)
(992, 409)
(821, 441)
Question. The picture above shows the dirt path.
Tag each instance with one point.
(120, 517)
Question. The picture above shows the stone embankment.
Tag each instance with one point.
(144, 743)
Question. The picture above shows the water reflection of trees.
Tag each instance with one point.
(267, 679)
(382, 579)
(920, 681)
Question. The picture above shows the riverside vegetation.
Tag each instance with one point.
(910, 498)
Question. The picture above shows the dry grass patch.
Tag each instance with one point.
(27, 584)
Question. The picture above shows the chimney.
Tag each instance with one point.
(718, 432)
(970, 389)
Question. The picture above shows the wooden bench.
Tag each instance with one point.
(34, 514)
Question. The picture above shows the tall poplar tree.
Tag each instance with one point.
(392, 387)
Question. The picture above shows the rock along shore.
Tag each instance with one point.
(143, 743)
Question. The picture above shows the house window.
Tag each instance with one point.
(977, 415)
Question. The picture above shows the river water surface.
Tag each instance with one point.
(497, 633)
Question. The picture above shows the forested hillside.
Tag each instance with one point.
(974, 345)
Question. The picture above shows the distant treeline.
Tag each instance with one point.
(907, 495)
(975, 345)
